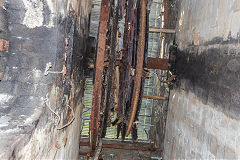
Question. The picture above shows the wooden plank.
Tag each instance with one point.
(97, 88)
(161, 30)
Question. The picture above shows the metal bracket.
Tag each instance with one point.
(48, 66)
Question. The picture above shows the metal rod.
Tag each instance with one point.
(161, 30)
(166, 4)
(125, 147)
(154, 97)
(97, 89)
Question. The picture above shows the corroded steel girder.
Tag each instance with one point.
(97, 88)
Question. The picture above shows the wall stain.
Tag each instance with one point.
(212, 75)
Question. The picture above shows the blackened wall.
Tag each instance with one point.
(203, 117)
(43, 71)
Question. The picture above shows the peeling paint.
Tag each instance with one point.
(34, 13)
(37, 73)
(34, 16)
(4, 121)
(5, 98)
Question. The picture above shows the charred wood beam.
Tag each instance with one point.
(139, 67)
(126, 65)
(111, 67)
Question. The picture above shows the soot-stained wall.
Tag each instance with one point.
(204, 109)
(42, 84)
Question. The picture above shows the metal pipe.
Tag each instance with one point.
(154, 97)
(97, 89)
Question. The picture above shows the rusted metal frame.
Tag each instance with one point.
(147, 36)
(166, 4)
(125, 147)
(139, 67)
(97, 89)
(112, 60)
(155, 97)
(134, 128)
(157, 63)
(161, 30)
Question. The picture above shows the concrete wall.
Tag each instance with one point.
(42, 33)
(204, 111)
(198, 131)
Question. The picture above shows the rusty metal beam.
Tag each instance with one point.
(166, 5)
(139, 67)
(97, 89)
(161, 30)
(125, 147)
(157, 63)
(154, 97)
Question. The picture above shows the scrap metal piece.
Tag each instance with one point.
(157, 63)
(139, 67)
(97, 88)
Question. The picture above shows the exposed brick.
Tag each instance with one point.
(4, 45)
